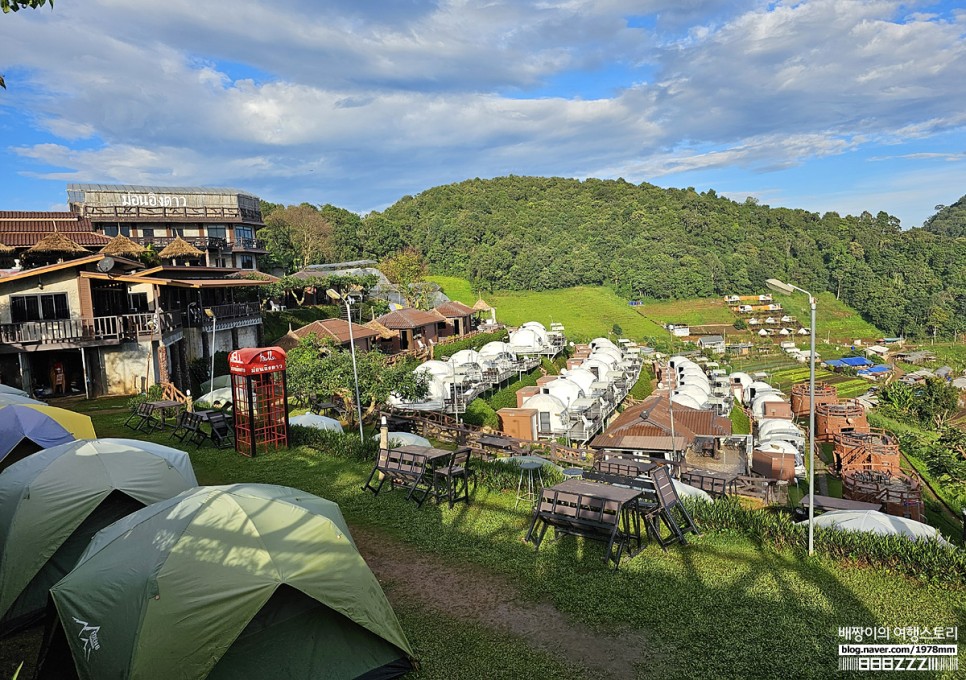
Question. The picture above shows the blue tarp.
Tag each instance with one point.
(853, 362)
(880, 368)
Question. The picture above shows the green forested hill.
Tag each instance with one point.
(530, 233)
(949, 220)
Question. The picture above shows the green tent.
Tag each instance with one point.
(52, 502)
(240, 581)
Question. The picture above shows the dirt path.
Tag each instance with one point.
(471, 594)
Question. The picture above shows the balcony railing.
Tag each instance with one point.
(199, 242)
(197, 318)
(248, 244)
(91, 330)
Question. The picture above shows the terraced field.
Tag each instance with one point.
(784, 372)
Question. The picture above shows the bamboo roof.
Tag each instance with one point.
(179, 248)
(481, 306)
(384, 333)
(122, 246)
(55, 242)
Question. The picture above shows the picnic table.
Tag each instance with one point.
(413, 467)
(596, 511)
(162, 409)
(715, 483)
(495, 442)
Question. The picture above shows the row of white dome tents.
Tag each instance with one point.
(577, 403)
(454, 383)
(533, 339)
(694, 388)
(778, 442)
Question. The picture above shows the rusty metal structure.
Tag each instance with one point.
(845, 417)
(801, 399)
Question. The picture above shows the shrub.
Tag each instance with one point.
(481, 414)
(338, 444)
(507, 397)
(153, 394)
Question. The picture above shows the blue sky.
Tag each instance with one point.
(820, 104)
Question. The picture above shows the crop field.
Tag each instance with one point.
(695, 312)
(784, 372)
(833, 318)
(586, 312)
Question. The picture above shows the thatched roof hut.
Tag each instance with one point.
(384, 333)
(179, 248)
(481, 306)
(6, 250)
(55, 244)
(122, 246)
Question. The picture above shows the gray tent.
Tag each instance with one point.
(53, 501)
(226, 582)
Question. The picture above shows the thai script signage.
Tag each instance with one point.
(152, 200)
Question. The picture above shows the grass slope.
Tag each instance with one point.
(719, 607)
(833, 318)
(695, 312)
(586, 312)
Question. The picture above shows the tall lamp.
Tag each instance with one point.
(789, 289)
(347, 301)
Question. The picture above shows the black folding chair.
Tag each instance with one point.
(222, 434)
(142, 417)
(669, 510)
(189, 427)
(452, 481)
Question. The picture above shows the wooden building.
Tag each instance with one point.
(417, 329)
(459, 318)
(333, 330)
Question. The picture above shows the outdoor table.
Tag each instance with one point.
(411, 466)
(597, 511)
(625, 466)
(495, 442)
(528, 464)
(163, 407)
(832, 503)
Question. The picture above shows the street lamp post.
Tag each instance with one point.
(788, 289)
(346, 300)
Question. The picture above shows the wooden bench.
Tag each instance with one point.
(402, 468)
(189, 427)
(592, 511)
(222, 432)
(715, 484)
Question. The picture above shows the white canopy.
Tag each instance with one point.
(318, 422)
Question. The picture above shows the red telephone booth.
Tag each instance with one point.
(258, 395)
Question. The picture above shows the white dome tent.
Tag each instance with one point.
(762, 398)
(552, 417)
(875, 522)
(567, 391)
(754, 389)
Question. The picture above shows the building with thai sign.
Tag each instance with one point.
(221, 223)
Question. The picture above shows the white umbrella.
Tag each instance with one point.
(318, 422)
(405, 439)
(220, 381)
(223, 396)
(875, 522)
(6, 389)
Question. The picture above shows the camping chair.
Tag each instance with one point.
(453, 480)
(668, 502)
(221, 432)
(189, 427)
(143, 416)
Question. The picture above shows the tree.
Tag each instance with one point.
(14, 6)
(407, 269)
(299, 235)
(316, 368)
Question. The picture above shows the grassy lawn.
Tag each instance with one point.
(586, 312)
(740, 424)
(723, 606)
(693, 312)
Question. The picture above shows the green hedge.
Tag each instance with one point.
(339, 444)
(507, 397)
(444, 352)
(643, 387)
(739, 421)
(481, 414)
(153, 394)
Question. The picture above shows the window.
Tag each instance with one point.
(113, 230)
(138, 302)
(544, 421)
(147, 233)
(216, 231)
(244, 232)
(178, 231)
(46, 307)
(247, 262)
